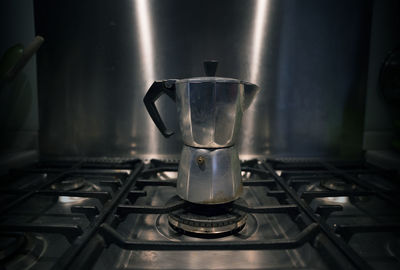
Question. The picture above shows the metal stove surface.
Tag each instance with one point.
(52, 218)
(368, 224)
(114, 215)
(358, 204)
(155, 227)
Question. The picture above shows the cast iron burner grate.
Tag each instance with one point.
(123, 193)
(216, 220)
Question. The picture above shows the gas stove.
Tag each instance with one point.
(124, 214)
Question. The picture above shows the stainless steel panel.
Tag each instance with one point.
(309, 59)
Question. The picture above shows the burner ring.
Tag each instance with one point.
(202, 228)
(74, 183)
(23, 250)
(207, 220)
(69, 184)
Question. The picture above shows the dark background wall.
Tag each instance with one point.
(381, 114)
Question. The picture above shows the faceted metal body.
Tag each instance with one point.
(215, 180)
(210, 111)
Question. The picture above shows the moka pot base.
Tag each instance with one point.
(209, 176)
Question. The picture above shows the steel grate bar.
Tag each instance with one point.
(325, 210)
(102, 221)
(310, 195)
(70, 231)
(278, 194)
(103, 196)
(348, 230)
(134, 194)
(151, 171)
(268, 183)
(124, 209)
(276, 209)
(113, 184)
(33, 192)
(88, 210)
(255, 170)
(107, 212)
(111, 236)
(145, 182)
(346, 250)
(297, 183)
(360, 183)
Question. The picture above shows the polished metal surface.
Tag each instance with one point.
(209, 176)
(100, 57)
(258, 227)
(210, 110)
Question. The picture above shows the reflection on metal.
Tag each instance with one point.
(166, 175)
(310, 66)
(339, 200)
(71, 200)
(147, 57)
(215, 182)
(74, 183)
(210, 110)
(145, 39)
(258, 227)
(260, 28)
(258, 48)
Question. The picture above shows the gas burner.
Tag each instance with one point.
(20, 250)
(69, 184)
(331, 184)
(203, 220)
(74, 184)
(335, 184)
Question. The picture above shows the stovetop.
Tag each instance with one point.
(113, 214)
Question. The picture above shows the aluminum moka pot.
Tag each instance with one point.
(210, 112)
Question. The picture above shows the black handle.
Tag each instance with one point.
(157, 89)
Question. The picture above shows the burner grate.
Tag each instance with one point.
(127, 180)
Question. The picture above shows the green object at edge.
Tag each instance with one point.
(9, 59)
